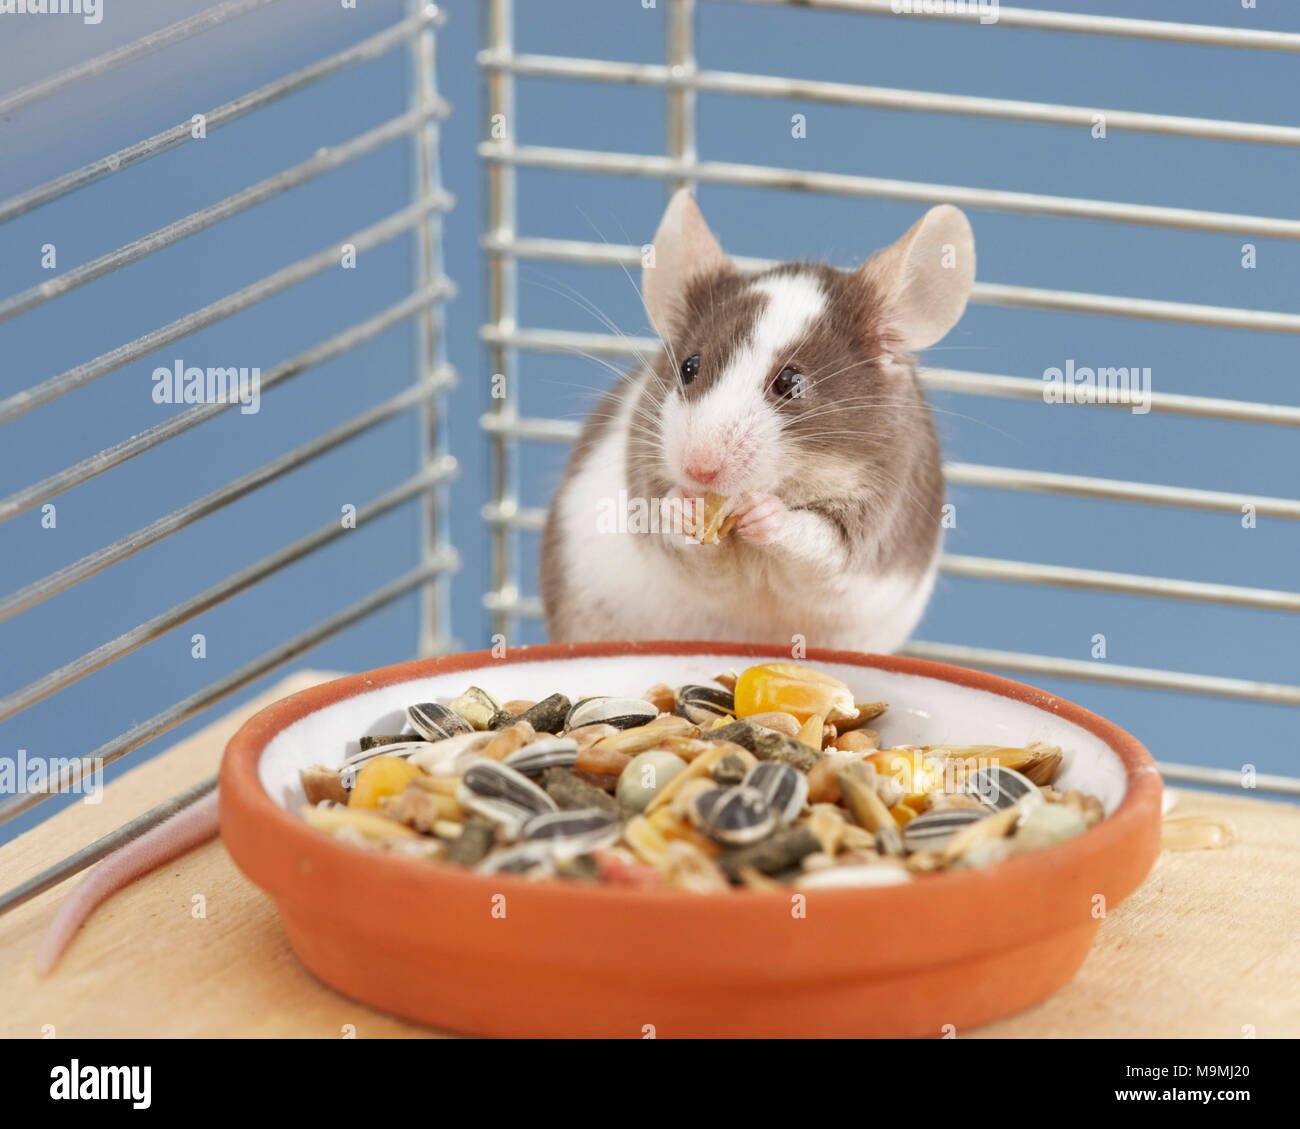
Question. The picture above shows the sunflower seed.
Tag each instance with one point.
(998, 825)
(573, 833)
(550, 752)
(783, 787)
(621, 713)
(435, 722)
(507, 817)
(491, 780)
(932, 829)
(393, 749)
(533, 859)
(735, 816)
(999, 787)
(704, 704)
(564, 824)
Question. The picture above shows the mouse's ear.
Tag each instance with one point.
(683, 248)
(925, 278)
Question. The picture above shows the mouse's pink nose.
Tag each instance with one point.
(702, 470)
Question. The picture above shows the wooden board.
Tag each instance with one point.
(1209, 946)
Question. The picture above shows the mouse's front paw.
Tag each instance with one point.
(760, 519)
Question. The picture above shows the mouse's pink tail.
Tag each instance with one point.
(174, 836)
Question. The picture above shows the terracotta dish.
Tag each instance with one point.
(502, 955)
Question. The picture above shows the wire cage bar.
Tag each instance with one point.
(128, 53)
(1120, 26)
(420, 309)
(373, 48)
(681, 80)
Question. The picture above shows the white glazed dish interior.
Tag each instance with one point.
(922, 711)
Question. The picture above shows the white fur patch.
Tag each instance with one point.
(794, 302)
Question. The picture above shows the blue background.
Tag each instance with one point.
(98, 117)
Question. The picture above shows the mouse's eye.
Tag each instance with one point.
(788, 383)
(690, 368)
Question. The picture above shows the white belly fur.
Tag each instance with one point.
(626, 588)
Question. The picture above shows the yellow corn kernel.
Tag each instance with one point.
(917, 776)
(811, 733)
(793, 689)
(902, 814)
(380, 777)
